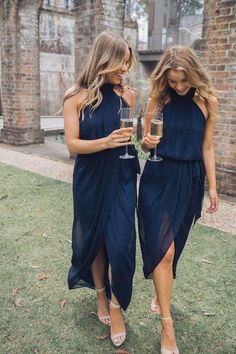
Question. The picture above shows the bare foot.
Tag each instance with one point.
(118, 332)
(103, 308)
(168, 340)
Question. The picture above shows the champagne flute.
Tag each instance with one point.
(156, 132)
(126, 121)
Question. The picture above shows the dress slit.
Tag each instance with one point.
(171, 191)
(101, 183)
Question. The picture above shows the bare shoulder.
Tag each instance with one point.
(129, 91)
(202, 104)
(77, 100)
(213, 101)
(213, 108)
(129, 95)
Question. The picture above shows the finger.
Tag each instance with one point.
(155, 140)
(122, 144)
(212, 209)
(126, 130)
(148, 142)
(121, 136)
(124, 135)
(151, 144)
(151, 140)
(122, 131)
(121, 140)
(214, 203)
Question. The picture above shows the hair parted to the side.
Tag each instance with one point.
(180, 58)
(106, 55)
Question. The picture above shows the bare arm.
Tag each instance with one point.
(75, 145)
(209, 157)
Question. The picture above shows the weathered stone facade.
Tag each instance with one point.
(218, 53)
(20, 79)
(91, 18)
(20, 72)
(57, 64)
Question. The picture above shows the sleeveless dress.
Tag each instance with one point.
(104, 198)
(171, 191)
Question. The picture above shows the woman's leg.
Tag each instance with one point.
(163, 281)
(155, 308)
(117, 321)
(98, 272)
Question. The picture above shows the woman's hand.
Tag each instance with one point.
(214, 200)
(119, 137)
(150, 141)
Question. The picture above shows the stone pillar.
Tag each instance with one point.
(218, 52)
(20, 72)
(155, 24)
(91, 18)
(173, 20)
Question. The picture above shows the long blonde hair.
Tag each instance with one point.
(106, 55)
(180, 58)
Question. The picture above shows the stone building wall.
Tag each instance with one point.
(59, 4)
(91, 18)
(20, 81)
(57, 58)
(218, 53)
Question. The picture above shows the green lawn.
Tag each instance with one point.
(39, 315)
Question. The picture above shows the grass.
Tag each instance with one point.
(39, 315)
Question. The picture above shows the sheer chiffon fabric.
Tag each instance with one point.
(104, 197)
(171, 191)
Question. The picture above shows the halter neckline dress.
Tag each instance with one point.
(171, 191)
(104, 198)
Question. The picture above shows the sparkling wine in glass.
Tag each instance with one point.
(156, 132)
(126, 121)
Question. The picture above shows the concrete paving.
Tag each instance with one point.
(53, 160)
(49, 124)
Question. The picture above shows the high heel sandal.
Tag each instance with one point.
(119, 338)
(164, 350)
(155, 308)
(103, 319)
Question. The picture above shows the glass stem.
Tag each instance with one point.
(126, 150)
(155, 152)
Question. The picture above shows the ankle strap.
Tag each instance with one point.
(115, 306)
(100, 290)
(166, 318)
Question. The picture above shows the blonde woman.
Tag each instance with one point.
(104, 186)
(171, 191)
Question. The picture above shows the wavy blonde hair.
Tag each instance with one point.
(180, 58)
(106, 55)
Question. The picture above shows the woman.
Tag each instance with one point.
(104, 186)
(171, 191)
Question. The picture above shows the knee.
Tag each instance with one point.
(167, 260)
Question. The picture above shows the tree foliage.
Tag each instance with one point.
(139, 8)
(189, 7)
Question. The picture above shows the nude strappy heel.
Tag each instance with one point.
(164, 350)
(119, 338)
(103, 319)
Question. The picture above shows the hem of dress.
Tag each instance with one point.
(80, 284)
(149, 275)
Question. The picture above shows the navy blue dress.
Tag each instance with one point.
(104, 197)
(171, 191)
